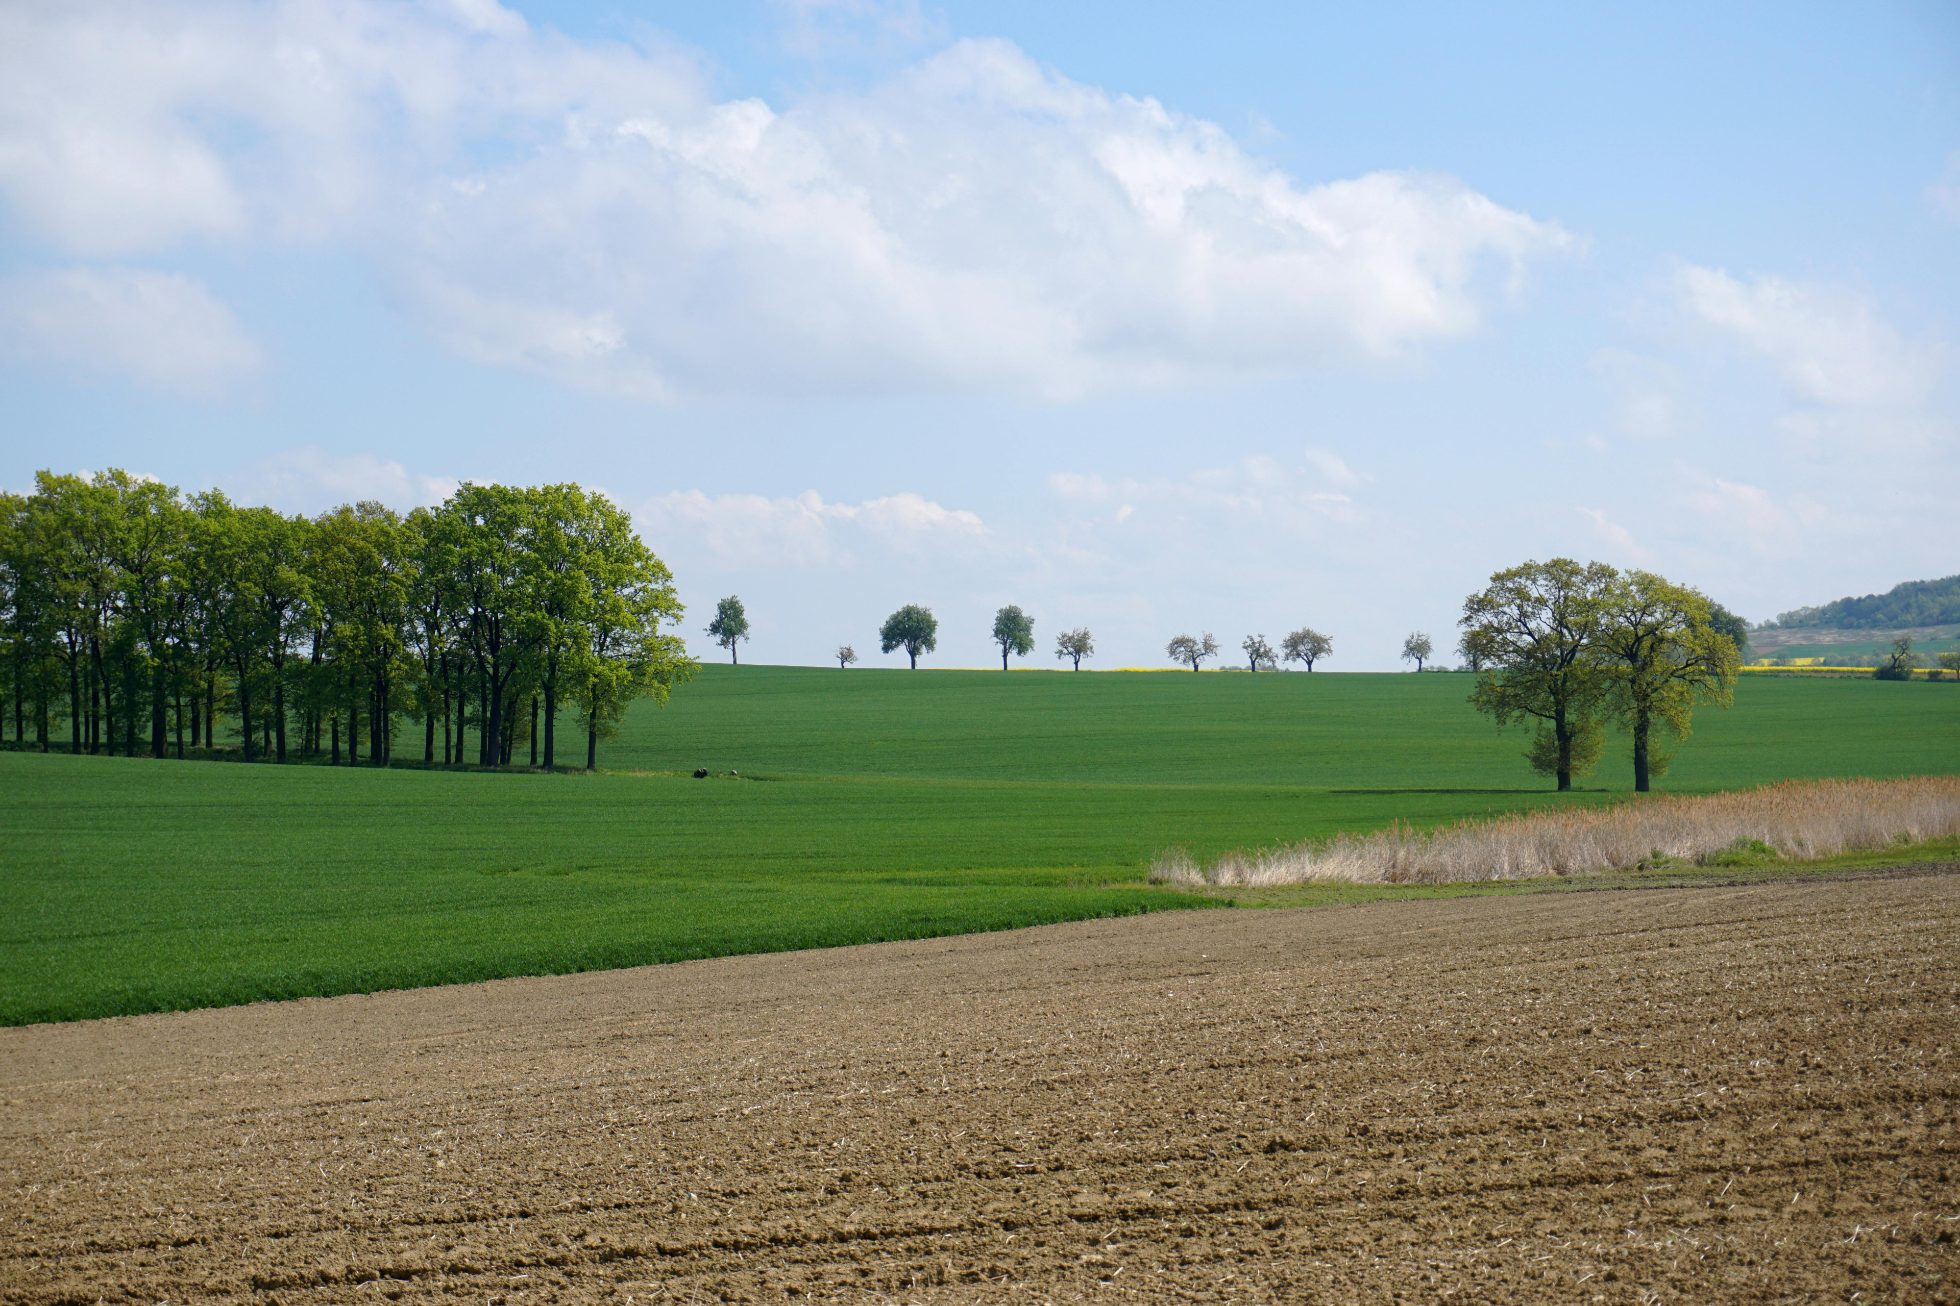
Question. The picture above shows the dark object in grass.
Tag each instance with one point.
(701, 773)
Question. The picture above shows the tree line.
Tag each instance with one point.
(136, 619)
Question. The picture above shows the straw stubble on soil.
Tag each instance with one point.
(1722, 1094)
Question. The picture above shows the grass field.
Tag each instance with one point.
(873, 805)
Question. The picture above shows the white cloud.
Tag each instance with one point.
(164, 330)
(586, 211)
(311, 480)
(1829, 345)
(736, 531)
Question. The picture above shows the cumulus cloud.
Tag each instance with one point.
(736, 531)
(587, 211)
(1830, 346)
(162, 329)
(310, 480)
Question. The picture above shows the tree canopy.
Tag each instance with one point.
(1306, 645)
(1185, 648)
(1417, 649)
(1258, 653)
(912, 628)
(730, 626)
(1911, 603)
(1571, 644)
(1014, 632)
(1075, 645)
(128, 604)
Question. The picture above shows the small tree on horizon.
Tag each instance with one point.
(845, 656)
(1899, 662)
(1184, 648)
(912, 628)
(1257, 650)
(1306, 645)
(1417, 648)
(1075, 645)
(730, 626)
(1014, 632)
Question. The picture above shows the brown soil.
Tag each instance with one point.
(1717, 1094)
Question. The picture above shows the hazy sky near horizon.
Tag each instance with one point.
(1143, 321)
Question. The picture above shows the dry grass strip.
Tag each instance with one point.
(1801, 819)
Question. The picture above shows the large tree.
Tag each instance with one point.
(730, 626)
(1258, 651)
(1014, 632)
(1075, 645)
(1534, 635)
(1306, 645)
(912, 628)
(1662, 655)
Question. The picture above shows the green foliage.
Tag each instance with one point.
(845, 656)
(912, 628)
(1014, 632)
(1913, 603)
(731, 624)
(891, 806)
(153, 612)
(1744, 852)
(1258, 653)
(1417, 649)
(1727, 623)
(1577, 757)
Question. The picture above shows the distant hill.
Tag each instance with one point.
(1914, 603)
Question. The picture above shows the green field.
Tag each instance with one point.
(871, 805)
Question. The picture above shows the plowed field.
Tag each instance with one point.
(1717, 1094)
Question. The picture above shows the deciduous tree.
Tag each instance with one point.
(845, 656)
(1185, 648)
(730, 626)
(1417, 648)
(1075, 645)
(1534, 635)
(1014, 632)
(1306, 645)
(1662, 655)
(1258, 651)
(912, 628)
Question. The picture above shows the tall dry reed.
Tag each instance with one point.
(1804, 819)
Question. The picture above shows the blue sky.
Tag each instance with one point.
(1145, 323)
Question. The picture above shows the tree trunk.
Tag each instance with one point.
(429, 737)
(733, 660)
(180, 718)
(245, 713)
(1641, 727)
(336, 741)
(74, 704)
(915, 658)
(534, 732)
(159, 711)
(1562, 734)
(354, 732)
(592, 746)
(493, 731)
(1003, 657)
(279, 709)
(550, 723)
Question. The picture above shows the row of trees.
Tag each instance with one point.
(143, 619)
(1571, 646)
